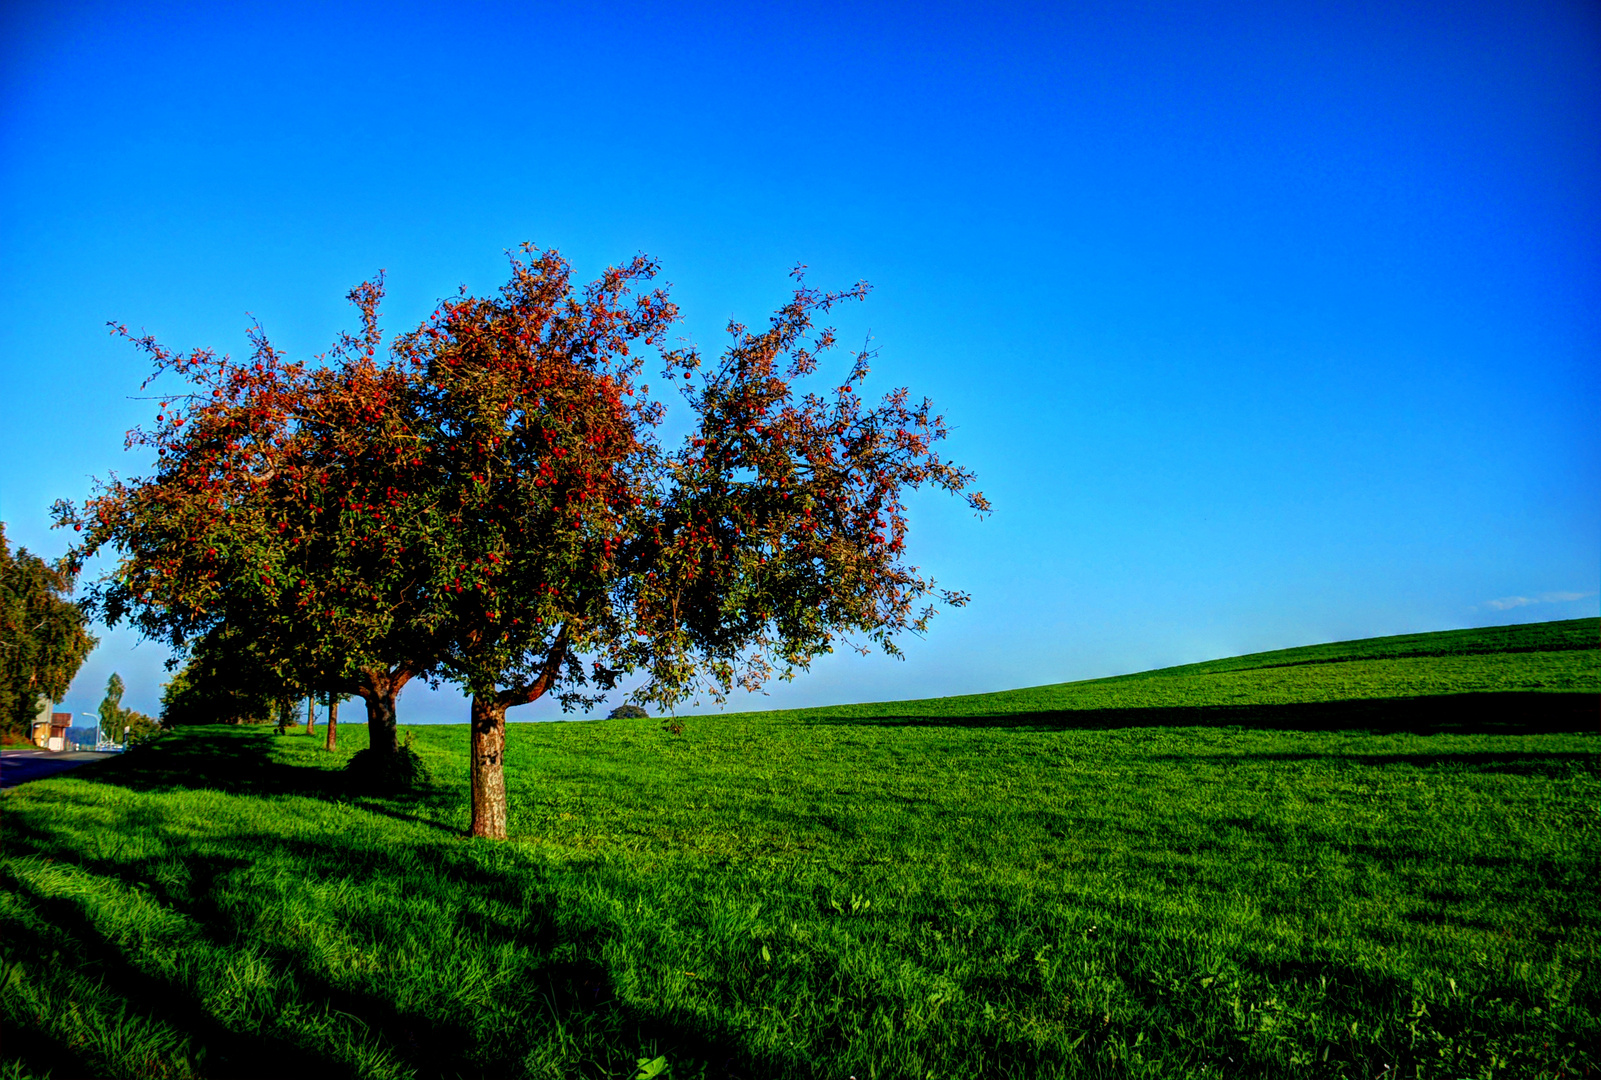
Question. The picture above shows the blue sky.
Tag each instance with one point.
(1262, 324)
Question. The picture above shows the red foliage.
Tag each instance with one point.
(782, 527)
(489, 502)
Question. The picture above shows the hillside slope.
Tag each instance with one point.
(1544, 675)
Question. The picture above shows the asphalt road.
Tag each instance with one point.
(30, 763)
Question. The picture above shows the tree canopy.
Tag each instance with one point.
(289, 516)
(488, 502)
(223, 680)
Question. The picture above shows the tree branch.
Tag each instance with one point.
(522, 695)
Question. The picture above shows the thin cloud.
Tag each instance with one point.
(1507, 603)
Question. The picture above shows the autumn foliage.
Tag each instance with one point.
(487, 501)
(781, 528)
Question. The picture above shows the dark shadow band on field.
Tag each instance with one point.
(240, 761)
(237, 761)
(1556, 766)
(80, 944)
(563, 967)
(1507, 713)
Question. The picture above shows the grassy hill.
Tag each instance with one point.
(1333, 861)
(1401, 678)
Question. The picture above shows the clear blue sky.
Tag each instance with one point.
(1262, 324)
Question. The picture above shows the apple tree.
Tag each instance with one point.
(583, 550)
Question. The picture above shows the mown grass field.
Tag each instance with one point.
(1371, 859)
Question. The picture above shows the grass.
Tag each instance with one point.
(1368, 859)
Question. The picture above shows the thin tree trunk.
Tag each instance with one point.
(333, 720)
(311, 714)
(488, 768)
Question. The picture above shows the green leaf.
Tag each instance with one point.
(652, 1067)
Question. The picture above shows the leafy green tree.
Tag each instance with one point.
(111, 707)
(223, 681)
(139, 725)
(118, 723)
(44, 638)
(540, 436)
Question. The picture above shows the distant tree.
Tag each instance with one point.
(627, 712)
(138, 725)
(331, 700)
(223, 681)
(44, 638)
(173, 691)
(286, 711)
(111, 707)
(118, 723)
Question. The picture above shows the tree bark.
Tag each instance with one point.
(381, 720)
(333, 720)
(379, 689)
(489, 768)
(490, 817)
(311, 714)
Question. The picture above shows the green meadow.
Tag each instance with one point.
(1369, 859)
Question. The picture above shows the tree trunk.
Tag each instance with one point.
(311, 714)
(488, 749)
(333, 720)
(381, 721)
(488, 768)
(379, 688)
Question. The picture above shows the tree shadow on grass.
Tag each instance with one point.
(1508, 713)
(502, 916)
(40, 1053)
(238, 761)
(241, 761)
(1554, 765)
(93, 957)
